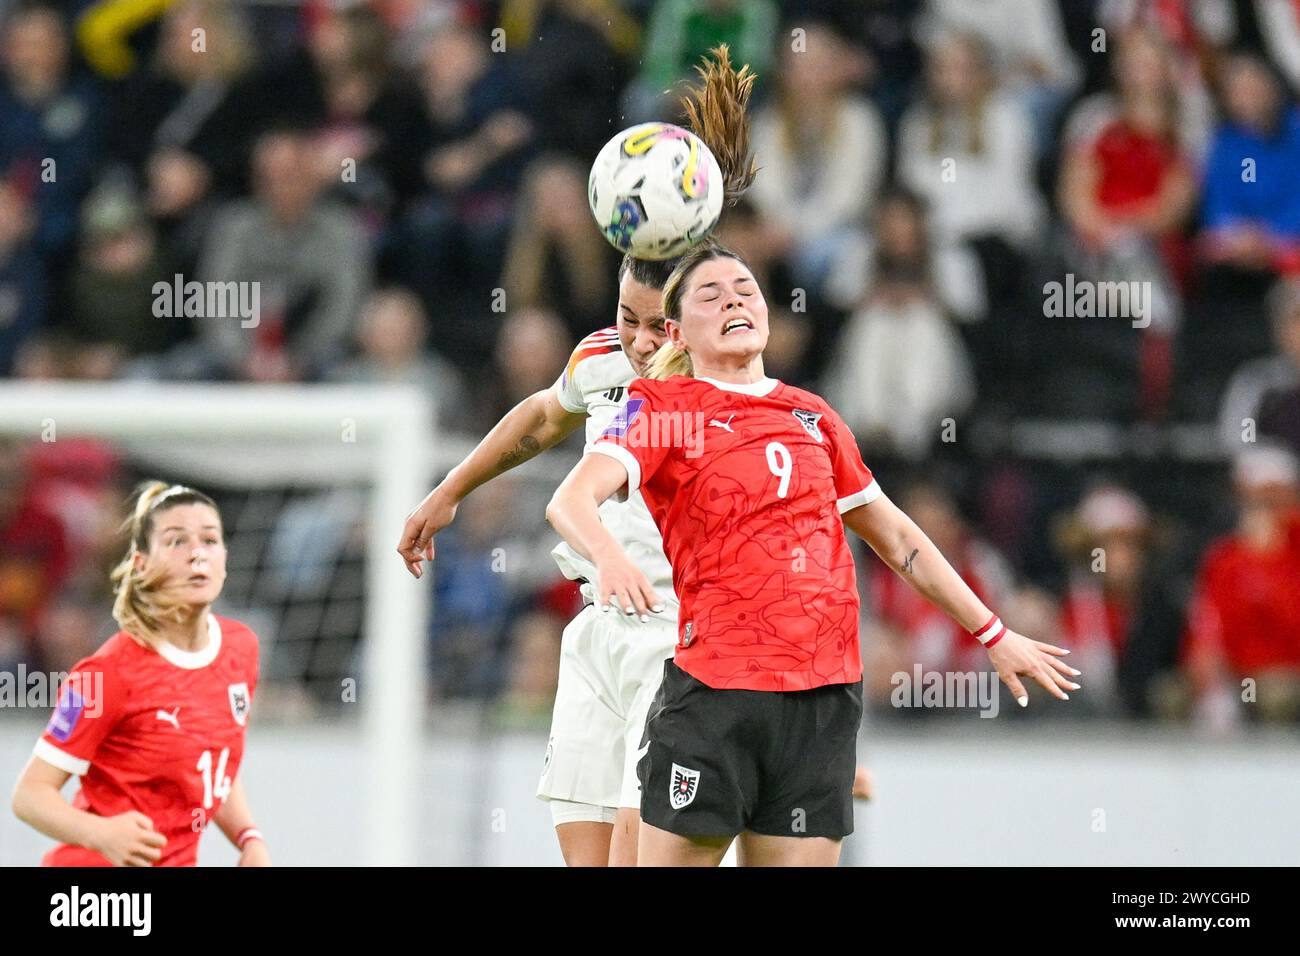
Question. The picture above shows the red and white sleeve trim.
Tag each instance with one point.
(248, 835)
(55, 757)
(623, 457)
(992, 632)
(863, 497)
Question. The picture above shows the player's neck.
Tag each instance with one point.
(190, 634)
(746, 372)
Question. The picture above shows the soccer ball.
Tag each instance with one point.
(655, 190)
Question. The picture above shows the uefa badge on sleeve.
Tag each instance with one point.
(239, 702)
(683, 787)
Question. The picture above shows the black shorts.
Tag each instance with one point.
(779, 763)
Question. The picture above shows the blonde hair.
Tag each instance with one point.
(670, 360)
(140, 603)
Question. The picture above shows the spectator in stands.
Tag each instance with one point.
(112, 283)
(1244, 622)
(309, 258)
(529, 355)
(823, 150)
(573, 59)
(1191, 32)
(22, 277)
(907, 630)
(1119, 616)
(885, 31)
(1279, 417)
(1027, 44)
(491, 564)
(901, 231)
(681, 31)
(48, 125)
(1127, 187)
(392, 336)
(1251, 212)
(181, 123)
(1243, 401)
(900, 367)
(1272, 27)
(967, 149)
(472, 146)
(34, 555)
(555, 258)
(367, 120)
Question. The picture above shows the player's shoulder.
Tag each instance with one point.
(597, 346)
(236, 634)
(666, 392)
(797, 397)
(110, 655)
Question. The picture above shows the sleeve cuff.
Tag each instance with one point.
(623, 457)
(863, 497)
(558, 392)
(55, 757)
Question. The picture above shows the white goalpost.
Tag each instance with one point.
(381, 438)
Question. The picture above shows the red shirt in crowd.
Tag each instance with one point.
(1247, 604)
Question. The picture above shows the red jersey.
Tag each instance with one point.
(747, 484)
(157, 732)
(1247, 603)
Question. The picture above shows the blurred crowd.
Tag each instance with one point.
(406, 180)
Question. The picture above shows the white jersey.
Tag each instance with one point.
(595, 382)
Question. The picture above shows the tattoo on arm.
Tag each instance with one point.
(528, 447)
(907, 562)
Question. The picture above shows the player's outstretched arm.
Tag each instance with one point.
(537, 423)
(913, 556)
(127, 839)
(573, 512)
(236, 821)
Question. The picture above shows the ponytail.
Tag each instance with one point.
(669, 361)
(717, 111)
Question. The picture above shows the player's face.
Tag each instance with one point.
(187, 545)
(640, 321)
(724, 315)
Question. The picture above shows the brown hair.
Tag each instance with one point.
(717, 111)
(140, 604)
(670, 360)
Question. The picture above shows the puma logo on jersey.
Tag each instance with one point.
(171, 718)
(726, 425)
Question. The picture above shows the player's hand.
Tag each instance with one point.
(255, 853)
(434, 513)
(623, 588)
(861, 784)
(1016, 655)
(128, 839)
